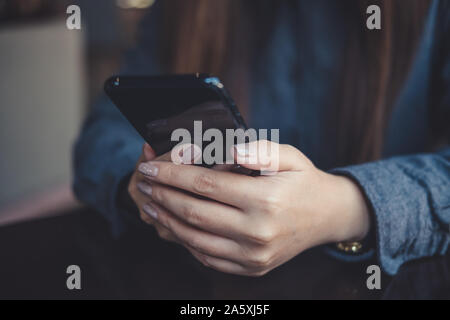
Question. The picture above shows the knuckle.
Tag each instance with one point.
(168, 172)
(194, 243)
(191, 215)
(204, 261)
(204, 183)
(291, 148)
(263, 235)
(271, 203)
(201, 246)
(260, 260)
(163, 233)
(165, 221)
(157, 193)
(297, 153)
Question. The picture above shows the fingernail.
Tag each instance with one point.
(243, 150)
(150, 211)
(189, 154)
(148, 170)
(145, 188)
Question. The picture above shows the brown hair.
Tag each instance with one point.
(375, 67)
(219, 37)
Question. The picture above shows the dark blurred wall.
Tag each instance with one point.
(110, 31)
(54, 75)
(29, 11)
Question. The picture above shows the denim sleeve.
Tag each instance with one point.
(108, 147)
(106, 151)
(410, 200)
(409, 195)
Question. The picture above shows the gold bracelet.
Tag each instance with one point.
(350, 247)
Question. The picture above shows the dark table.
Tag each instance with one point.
(34, 257)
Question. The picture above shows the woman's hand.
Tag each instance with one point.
(250, 225)
(136, 190)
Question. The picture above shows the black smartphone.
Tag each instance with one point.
(158, 105)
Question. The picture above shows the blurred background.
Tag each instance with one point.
(49, 77)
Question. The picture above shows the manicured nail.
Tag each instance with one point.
(150, 211)
(145, 188)
(243, 150)
(148, 169)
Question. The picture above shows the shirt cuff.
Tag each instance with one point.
(367, 183)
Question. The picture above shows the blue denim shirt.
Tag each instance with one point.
(408, 190)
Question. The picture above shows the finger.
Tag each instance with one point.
(219, 264)
(162, 231)
(141, 198)
(227, 187)
(148, 152)
(201, 241)
(186, 154)
(211, 216)
(268, 156)
(146, 218)
(165, 233)
(164, 157)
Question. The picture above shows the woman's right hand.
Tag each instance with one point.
(135, 187)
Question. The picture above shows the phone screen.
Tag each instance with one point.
(157, 106)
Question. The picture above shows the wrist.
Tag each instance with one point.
(351, 218)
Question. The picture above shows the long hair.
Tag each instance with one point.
(220, 37)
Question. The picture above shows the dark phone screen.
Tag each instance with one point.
(156, 106)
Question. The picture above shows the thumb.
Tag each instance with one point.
(148, 152)
(269, 157)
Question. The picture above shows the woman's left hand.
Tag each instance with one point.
(250, 225)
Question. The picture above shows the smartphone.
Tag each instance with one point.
(158, 105)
